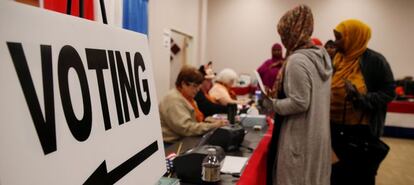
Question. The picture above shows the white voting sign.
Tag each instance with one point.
(78, 102)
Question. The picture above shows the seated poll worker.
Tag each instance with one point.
(179, 114)
(204, 101)
(221, 92)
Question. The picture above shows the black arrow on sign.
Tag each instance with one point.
(101, 176)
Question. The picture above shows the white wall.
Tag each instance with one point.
(182, 15)
(241, 32)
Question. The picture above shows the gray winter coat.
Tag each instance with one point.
(304, 150)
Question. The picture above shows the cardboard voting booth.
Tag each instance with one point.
(78, 102)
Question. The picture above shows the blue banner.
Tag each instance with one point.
(135, 15)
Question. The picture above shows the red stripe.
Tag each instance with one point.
(60, 6)
(255, 170)
(401, 107)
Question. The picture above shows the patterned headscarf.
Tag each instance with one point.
(295, 28)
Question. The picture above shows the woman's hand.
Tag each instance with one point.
(271, 92)
(352, 94)
(268, 103)
(218, 122)
(351, 91)
(210, 119)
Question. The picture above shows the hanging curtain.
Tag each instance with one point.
(60, 6)
(135, 15)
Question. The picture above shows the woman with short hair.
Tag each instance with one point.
(179, 112)
(207, 104)
(221, 91)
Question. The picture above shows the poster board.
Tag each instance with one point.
(78, 102)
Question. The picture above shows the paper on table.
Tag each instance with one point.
(233, 164)
(168, 181)
(260, 82)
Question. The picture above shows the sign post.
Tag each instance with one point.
(78, 102)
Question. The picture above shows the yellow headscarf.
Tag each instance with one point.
(355, 35)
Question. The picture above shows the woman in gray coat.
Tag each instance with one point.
(300, 150)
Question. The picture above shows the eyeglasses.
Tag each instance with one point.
(194, 85)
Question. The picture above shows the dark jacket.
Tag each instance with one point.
(379, 80)
(207, 107)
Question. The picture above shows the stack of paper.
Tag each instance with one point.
(260, 82)
(233, 164)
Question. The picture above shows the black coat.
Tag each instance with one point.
(380, 84)
(207, 107)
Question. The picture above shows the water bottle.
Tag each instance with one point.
(257, 96)
(211, 168)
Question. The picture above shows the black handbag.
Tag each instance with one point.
(355, 145)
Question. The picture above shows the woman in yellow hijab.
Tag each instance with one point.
(363, 78)
(352, 38)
